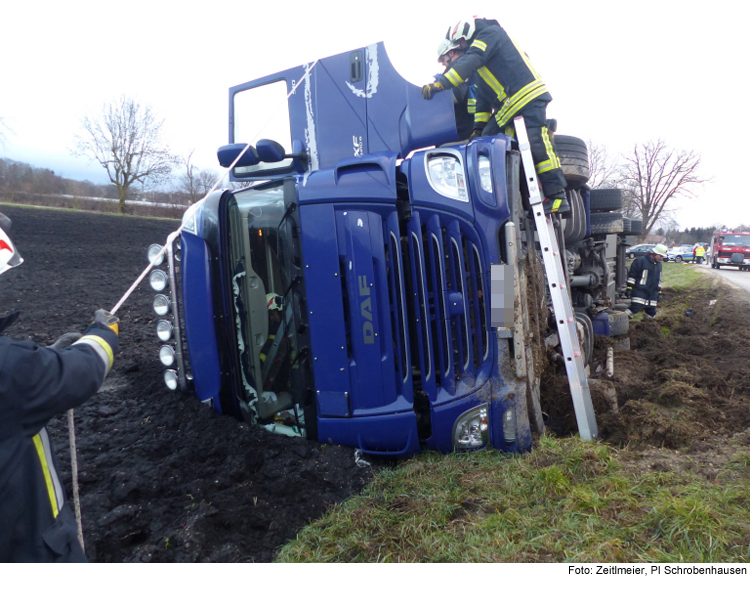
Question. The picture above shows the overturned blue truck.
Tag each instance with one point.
(343, 292)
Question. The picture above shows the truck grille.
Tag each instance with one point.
(438, 311)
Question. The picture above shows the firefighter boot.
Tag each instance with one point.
(557, 203)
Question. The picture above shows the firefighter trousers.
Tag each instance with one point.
(547, 164)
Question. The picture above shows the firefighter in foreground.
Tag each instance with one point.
(37, 383)
(507, 86)
(644, 282)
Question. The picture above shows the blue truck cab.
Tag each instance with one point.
(343, 292)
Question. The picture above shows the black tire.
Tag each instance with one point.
(636, 227)
(631, 255)
(618, 323)
(678, 259)
(574, 158)
(626, 226)
(606, 223)
(606, 199)
(575, 226)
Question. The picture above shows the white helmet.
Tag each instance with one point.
(660, 249)
(463, 29)
(9, 256)
(274, 301)
(445, 46)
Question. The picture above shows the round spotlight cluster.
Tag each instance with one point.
(163, 306)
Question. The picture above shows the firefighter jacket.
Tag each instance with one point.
(37, 523)
(644, 278)
(504, 74)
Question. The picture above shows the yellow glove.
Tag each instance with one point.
(429, 89)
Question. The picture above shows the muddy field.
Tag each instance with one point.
(163, 478)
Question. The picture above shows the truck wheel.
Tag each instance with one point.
(574, 158)
(626, 226)
(618, 323)
(606, 199)
(606, 223)
(636, 227)
(575, 226)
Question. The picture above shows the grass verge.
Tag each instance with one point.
(566, 501)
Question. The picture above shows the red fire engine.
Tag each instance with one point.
(731, 249)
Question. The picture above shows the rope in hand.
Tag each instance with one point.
(170, 239)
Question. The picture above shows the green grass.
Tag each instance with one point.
(566, 501)
(679, 276)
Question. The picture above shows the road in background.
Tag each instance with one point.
(731, 274)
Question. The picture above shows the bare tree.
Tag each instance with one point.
(602, 171)
(653, 175)
(206, 180)
(3, 129)
(126, 139)
(188, 181)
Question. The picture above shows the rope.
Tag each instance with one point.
(171, 238)
(74, 470)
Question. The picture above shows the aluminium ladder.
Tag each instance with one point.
(558, 287)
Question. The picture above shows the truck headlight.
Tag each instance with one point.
(472, 429)
(164, 330)
(155, 254)
(446, 175)
(161, 304)
(166, 355)
(189, 223)
(170, 379)
(158, 280)
(485, 173)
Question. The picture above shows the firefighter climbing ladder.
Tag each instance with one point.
(558, 287)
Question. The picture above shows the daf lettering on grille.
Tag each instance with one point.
(368, 331)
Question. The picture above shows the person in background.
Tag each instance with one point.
(37, 383)
(698, 253)
(644, 282)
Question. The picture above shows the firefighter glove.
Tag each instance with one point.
(475, 133)
(429, 89)
(66, 340)
(106, 319)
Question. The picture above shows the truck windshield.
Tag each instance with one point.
(262, 297)
(736, 240)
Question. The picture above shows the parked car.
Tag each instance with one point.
(680, 253)
(639, 250)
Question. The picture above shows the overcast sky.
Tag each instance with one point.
(620, 73)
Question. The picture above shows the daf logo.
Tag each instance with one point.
(368, 332)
